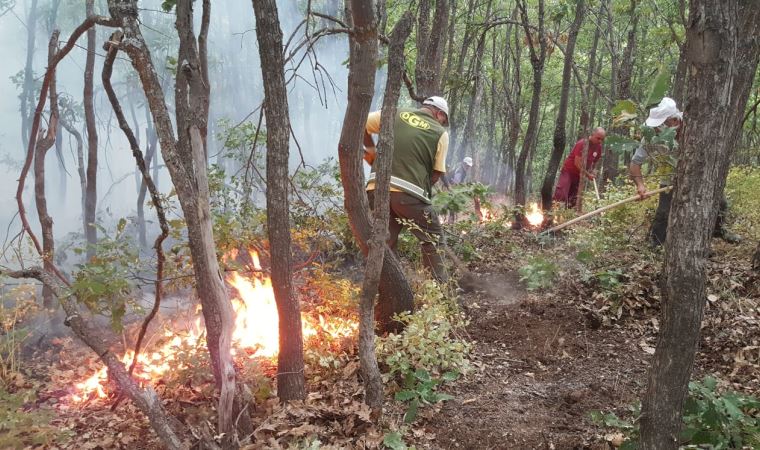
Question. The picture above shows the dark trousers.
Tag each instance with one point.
(659, 229)
(423, 223)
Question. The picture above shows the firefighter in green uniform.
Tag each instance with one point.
(420, 143)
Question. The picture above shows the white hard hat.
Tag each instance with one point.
(438, 102)
(467, 160)
(662, 112)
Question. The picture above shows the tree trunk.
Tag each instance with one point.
(430, 47)
(473, 112)
(531, 134)
(27, 91)
(395, 295)
(290, 370)
(43, 145)
(91, 193)
(80, 164)
(584, 122)
(547, 189)
(373, 385)
(722, 48)
(186, 162)
(150, 155)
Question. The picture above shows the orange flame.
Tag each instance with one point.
(256, 332)
(534, 217)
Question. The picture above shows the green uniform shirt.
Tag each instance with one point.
(420, 146)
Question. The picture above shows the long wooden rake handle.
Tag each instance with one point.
(605, 208)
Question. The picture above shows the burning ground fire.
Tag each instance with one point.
(534, 216)
(256, 335)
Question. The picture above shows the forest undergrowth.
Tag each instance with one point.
(601, 272)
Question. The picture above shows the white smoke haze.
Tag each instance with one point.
(317, 101)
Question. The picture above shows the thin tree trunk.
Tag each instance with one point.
(722, 48)
(430, 47)
(395, 293)
(43, 145)
(547, 189)
(80, 163)
(91, 193)
(27, 91)
(290, 369)
(186, 162)
(531, 134)
(373, 385)
(473, 112)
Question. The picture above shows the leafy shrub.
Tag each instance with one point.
(12, 335)
(711, 419)
(742, 186)
(428, 340)
(538, 273)
(103, 283)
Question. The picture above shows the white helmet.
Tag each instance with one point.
(438, 102)
(467, 160)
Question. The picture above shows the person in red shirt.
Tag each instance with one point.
(567, 187)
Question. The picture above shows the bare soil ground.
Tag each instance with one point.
(540, 370)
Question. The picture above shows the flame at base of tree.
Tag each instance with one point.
(534, 216)
(256, 335)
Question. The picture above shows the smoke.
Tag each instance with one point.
(317, 100)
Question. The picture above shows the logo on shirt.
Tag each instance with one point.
(415, 121)
(594, 155)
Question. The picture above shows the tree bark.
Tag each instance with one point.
(537, 59)
(80, 162)
(722, 48)
(43, 145)
(430, 47)
(27, 91)
(185, 159)
(559, 141)
(91, 193)
(373, 385)
(395, 295)
(290, 371)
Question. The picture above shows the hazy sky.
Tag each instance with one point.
(231, 43)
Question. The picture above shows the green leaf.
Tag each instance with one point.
(394, 441)
(658, 87)
(624, 106)
(411, 412)
(423, 375)
(436, 397)
(450, 376)
(168, 5)
(405, 395)
(585, 256)
(620, 144)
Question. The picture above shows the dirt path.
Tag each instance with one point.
(540, 371)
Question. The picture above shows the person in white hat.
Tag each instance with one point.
(420, 145)
(460, 173)
(666, 116)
